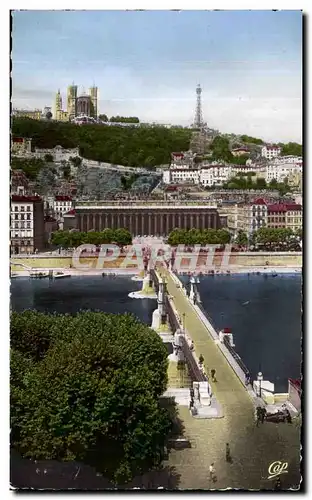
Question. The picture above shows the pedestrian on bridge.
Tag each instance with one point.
(228, 453)
(213, 375)
(212, 473)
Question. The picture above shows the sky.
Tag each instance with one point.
(148, 64)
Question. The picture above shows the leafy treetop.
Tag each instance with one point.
(86, 387)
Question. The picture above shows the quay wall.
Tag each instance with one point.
(250, 259)
(243, 259)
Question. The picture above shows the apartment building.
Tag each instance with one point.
(26, 224)
(61, 205)
(270, 151)
(253, 216)
(181, 175)
(214, 175)
(281, 171)
(285, 215)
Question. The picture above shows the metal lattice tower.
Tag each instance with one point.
(198, 122)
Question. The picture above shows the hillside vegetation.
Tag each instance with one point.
(125, 146)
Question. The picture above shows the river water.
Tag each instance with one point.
(263, 313)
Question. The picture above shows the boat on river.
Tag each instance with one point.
(60, 275)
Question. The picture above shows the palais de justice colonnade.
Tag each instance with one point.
(141, 220)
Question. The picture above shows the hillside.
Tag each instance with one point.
(125, 146)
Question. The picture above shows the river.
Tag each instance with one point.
(263, 313)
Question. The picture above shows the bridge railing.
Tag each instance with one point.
(195, 372)
(227, 344)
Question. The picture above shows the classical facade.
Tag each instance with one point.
(27, 224)
(146, 218)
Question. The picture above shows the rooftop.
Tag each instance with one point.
(21, 198)
(283, 207)
(63, 198)
(259, 201)
(144, 204)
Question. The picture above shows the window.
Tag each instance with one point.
(16, 217)
(28, 225)
(22, 209)
(16, 225)
(28, 216)
(22, 243)
(23, 216)
(28, 208)
(16, 209)
(28, 243)
(23, 225)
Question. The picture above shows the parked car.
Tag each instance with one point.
(282, 415)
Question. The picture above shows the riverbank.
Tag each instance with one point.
(134, 272)
(186, 262)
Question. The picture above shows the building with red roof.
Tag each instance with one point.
(285, 215)
(26, 224)
(270, 151)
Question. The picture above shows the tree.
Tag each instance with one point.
(93, 396)
(241, 238)
(104, 118)
(75, 160)
(48, 158)
(261, 183)
(292, 148)
(68, 239)
(273, 183)
(251, 140)
(199, 237)
(117, 145)
(66, 171)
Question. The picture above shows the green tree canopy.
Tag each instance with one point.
(199, 237)
(129, 146)
(241, 238)
(124, 119)
(69, 239)
(251, 140)
(88, 390)
(292, 148)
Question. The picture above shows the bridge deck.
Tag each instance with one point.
(253, 448)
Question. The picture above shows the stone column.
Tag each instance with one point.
(197, 221)
(149, 223)
(161, 222)
(180, 227)
(124, 221)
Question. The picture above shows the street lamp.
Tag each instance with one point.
(183, 323)
(260, 378)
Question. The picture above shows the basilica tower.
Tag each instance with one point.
(93, 93)
(58, 105)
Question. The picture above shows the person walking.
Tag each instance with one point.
(258, 415)
(278, 485)
(213, 375)
(262, 415)
(212, 473)
(227, 452)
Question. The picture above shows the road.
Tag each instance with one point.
(253, 448)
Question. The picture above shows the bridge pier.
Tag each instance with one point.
(159, 321)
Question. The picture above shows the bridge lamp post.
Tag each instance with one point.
(183, 323)
(260, 378)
